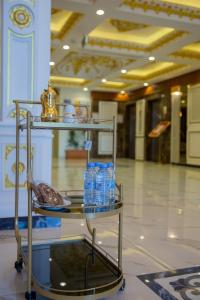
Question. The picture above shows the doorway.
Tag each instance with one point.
(183, 130)
(152, 119)
(130, 136)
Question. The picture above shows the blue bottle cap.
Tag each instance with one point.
(90, 165)
(110, 164)
(103, 166)
(98, 164)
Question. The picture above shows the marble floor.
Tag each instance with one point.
(160, 232)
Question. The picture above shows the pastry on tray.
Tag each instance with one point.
(45, 194)
(50, 196)
(37, 192)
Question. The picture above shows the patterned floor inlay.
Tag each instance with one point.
(180, 284)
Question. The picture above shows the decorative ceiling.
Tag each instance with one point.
(128, 36)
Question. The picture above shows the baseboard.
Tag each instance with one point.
(38, 222)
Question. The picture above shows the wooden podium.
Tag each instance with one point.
(157, 133)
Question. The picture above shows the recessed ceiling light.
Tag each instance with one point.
(103, 80)
(82, 224)
(146, 84)
(63, 283)
(85, 89)
(99, 242)
(51, 63)
(66, 47)
(152, 58)
(123, 71)
(142, 237)
(100, 12)
(122, 92)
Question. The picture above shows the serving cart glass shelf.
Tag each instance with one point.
(73, 268)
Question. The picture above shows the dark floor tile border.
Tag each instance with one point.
(149, 280)
(38, 222)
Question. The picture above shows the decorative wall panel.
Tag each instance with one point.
(193, 128)
(107, 110)
(140, 129)
(175, 129)
(25, 54)
(20, 87)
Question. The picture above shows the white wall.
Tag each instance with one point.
(73, 94)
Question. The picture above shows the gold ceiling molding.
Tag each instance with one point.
(133, 46)
(70, 22)
(164, 7)
(55, 11)
(191, 3)
(123, 26)
(92, 64)
(153, 74)
(114, 84)
(68, 81)
(187, 54)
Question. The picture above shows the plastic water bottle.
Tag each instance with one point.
(111, 182)
(89, 183)
(101, 186)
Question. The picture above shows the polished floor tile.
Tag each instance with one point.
(160, 232)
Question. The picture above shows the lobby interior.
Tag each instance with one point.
(137, 61)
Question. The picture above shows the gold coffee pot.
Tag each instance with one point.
(48, 100)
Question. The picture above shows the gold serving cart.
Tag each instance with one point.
(74, 267)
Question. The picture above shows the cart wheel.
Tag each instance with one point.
(30, 296)
(123, 285)
(19, 266)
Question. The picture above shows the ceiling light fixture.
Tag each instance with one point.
(123, 71)
(141, 237)
(122, 92)
(103, 80)
(85, 89)
(152, 58)
(146, 84)
(66, 47)
(177, 93)
(100, 12)
(52, 63)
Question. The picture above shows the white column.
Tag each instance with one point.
(25, 54)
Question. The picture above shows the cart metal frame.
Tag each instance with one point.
(29, 124)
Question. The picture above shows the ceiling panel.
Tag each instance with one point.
(125, 37)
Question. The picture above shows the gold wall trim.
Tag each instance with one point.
(164, 7)
(133, 46)
(22, 113)
(73, 19)
(10, 185)
(152, 75)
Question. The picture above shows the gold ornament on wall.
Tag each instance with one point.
(20, 16)
(21, 167)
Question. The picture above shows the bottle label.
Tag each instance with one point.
(88, 185)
